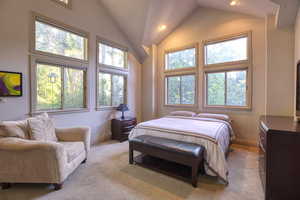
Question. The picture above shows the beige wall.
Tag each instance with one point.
(207, 24)
(280, 69)
(88, 15)
(149, 84)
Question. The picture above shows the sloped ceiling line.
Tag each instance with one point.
(287, 12)
(138, 20)
(138, 52)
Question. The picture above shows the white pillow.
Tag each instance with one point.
(13, 129)
(42, 128)
(215, 116)
(183, 113)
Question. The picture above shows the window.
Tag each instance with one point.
(112, 56)
(227, 88)
(180, 59)
(232, 50)
(228, 72)
(180, 90)
(59, 87)
(58, 67)
(180, 76)
(111, 89)
(52, 39)
(112, 71)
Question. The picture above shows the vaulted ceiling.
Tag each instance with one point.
(139, 19)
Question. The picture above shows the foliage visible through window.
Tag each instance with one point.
(181, 59)
(180, 89)
(51, 39)
(227, 88)
(73, 88)
(111, 56)
(227, 51)
(111, 89)
(55, 92)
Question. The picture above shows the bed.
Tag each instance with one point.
(214, 134)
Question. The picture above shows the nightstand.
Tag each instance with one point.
(121, 128)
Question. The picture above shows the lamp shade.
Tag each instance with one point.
(122, 107)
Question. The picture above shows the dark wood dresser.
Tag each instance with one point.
(121, 128)
(279, 160)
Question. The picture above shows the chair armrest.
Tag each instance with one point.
(77, 134)
(32, 157)
(18, 144)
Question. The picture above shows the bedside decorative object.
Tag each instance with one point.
(122, 108)
(121, 128)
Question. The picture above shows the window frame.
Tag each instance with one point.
(225, 39)
(114, 45)
(112, 73)
(225, 90)
(181, 72)
(186, 47)
(63, 27)
(166, 85)
(66, 5)
(38, 59)
(226, 67)
(111, 70)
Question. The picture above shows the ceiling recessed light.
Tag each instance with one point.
(234, 2)
(162, 27)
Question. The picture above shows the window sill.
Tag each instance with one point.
(108, 108)
(104, 66)
(59, 112)
(183, 69)
(57, 56)
(233, 108)
(181, 105)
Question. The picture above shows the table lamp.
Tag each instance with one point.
(122, 108)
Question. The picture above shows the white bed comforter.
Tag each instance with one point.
(213, 134)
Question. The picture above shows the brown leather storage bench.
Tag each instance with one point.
(171, 150)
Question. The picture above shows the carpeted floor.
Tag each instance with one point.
(107, 176)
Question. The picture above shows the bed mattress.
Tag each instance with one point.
(215, 135)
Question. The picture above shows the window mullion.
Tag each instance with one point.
(126, 60)
(225, 90)
(86, 49)
(180, 92)
(167, 97)
(62, 87)
(111, 90)
(124, 89)
(85, 88)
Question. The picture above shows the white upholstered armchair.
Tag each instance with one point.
(30, 161)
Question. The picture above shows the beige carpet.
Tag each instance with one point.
(107, 176)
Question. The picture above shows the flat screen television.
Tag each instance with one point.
(10, 84)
